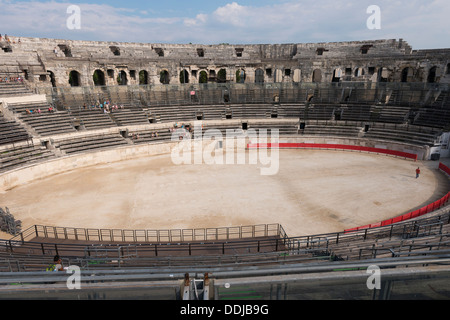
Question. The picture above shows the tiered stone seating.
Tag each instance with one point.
(21, 108)
(90, 143)
(331, 128)
(149, 136)
(355, 112)
(393, 114)
(11, 89)
(11, 132)
(318, 112)
(49, 124)
(128, 116)
(290, 111)
(94, 119)
(283, 127)
(19, 156)
(405, 135)
(433, 117)
(250, 111)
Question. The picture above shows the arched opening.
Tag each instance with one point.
(359, 72)
(52, 78)
(448, 68)
(122, 79)
(432, 75)
(184, 76)
(74, 78)
(278, 76)
(164, 77)
(297, 75)
(383, 75)
(143, 77)
(212, 76)
(407, 73)
(99, 78)
(337, 74)
(317, 76)
(222, 76)
(240, 76)
(203, 78)
(259, 76)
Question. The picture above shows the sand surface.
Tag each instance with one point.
(314, 192)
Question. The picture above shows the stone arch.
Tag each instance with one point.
(432, 75)
(337, 75)
(222, 76)
(383, 74)
(278, 77)
(297, 75)
(99, 78)
(143, 77)
(74, 78)
(122, 78)
(240, 76)
(317, 76)
(203, 77)
(359, 72)
(407, 74)
(259, 76)
(164, 77)
(52, 78)
(184, 76)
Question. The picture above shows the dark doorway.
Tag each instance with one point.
(74, 79)
(99, 78)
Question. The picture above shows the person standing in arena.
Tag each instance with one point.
(417, 172)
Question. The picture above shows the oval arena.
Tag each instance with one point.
(92, 170)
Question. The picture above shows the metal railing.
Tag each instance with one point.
(158, 236)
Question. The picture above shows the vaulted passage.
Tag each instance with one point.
(74, 78)
(99, 78)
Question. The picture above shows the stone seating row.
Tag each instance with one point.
(90, 143)
(11, 132)
(19, 156)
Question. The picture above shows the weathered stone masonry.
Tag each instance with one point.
(47, 63)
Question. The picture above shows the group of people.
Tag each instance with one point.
(11, 79)
(106, 106)
(135, 136)
(39, 111)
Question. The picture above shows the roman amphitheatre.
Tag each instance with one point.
(90, 129)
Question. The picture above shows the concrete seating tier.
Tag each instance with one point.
(410, 137)
(149, 136)
(90, 143)
(11, 89)
(355, 113)
(22, 107)
(433, 117)
(318, 112)
(94, 119)
(125, 117)
(289, 111)
(341, 130)
(19, 156)
(11, 132)
(282, 127)
(50, 123)
(390, 114)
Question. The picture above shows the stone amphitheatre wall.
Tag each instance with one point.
(62, 63)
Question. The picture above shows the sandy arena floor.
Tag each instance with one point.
(314, 192)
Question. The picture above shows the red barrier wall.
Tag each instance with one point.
(444, 168)
(333, 147)
(410, 215)
(414, 214)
